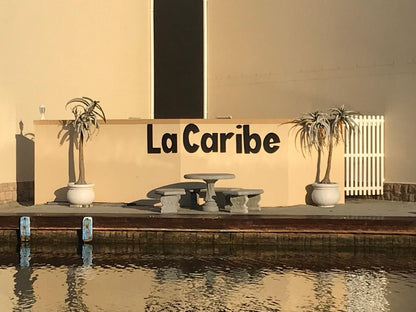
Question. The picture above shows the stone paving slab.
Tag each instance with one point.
(353, 208)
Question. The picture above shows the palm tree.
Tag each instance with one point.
(312, 134)
(318, 130)
(86, 113)
(339, 118)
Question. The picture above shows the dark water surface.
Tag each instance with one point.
(189, 278)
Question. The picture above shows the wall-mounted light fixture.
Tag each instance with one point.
(42, 110)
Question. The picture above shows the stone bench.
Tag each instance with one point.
(195, 195)
(169, 197)
(243, 200)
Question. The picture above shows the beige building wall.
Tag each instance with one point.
(266, 59)
(269, 58)
(53, 51)
(118, 162)
(8, 130)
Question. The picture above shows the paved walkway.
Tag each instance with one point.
(353, 208)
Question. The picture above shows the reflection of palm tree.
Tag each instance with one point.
(75, 282)
(23, 288)
(323, 292)
(210, 277)
(204, 287)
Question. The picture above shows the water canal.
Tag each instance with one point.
(211, 278)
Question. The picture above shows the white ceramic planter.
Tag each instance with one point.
(81, 195)
(325, 195)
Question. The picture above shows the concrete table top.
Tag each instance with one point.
(209, 176)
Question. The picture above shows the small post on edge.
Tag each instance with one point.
(87, 229)
(24, 229)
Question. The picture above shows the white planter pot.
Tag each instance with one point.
(325, 195)
(80, 195)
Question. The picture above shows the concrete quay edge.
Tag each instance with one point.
(356, 216)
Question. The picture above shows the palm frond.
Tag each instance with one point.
(312, 131)
(341, 118)
(86, 113)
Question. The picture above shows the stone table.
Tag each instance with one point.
(210, 179)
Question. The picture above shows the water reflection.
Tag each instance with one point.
(23, 288)
(75, 289)
(186, 278)
(366, 290)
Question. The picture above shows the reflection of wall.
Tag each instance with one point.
(118, 290)
(405, 288)
(201, 285)
(50, 289)
(239, 289)
(7, 299)
(118, 163)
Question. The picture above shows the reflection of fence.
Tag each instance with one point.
(364, 157)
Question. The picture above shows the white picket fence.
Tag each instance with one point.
(364, 157)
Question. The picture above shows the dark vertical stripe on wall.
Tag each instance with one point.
(178, 59)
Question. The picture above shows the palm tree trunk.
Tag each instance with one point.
(326, 179)
(318, 166)
(81, 178)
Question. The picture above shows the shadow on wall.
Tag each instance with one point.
(308, 196)
(67, 134)
(25, 166)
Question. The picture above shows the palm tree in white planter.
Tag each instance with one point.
(320, 131)
(326, 193)
(86, 112)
